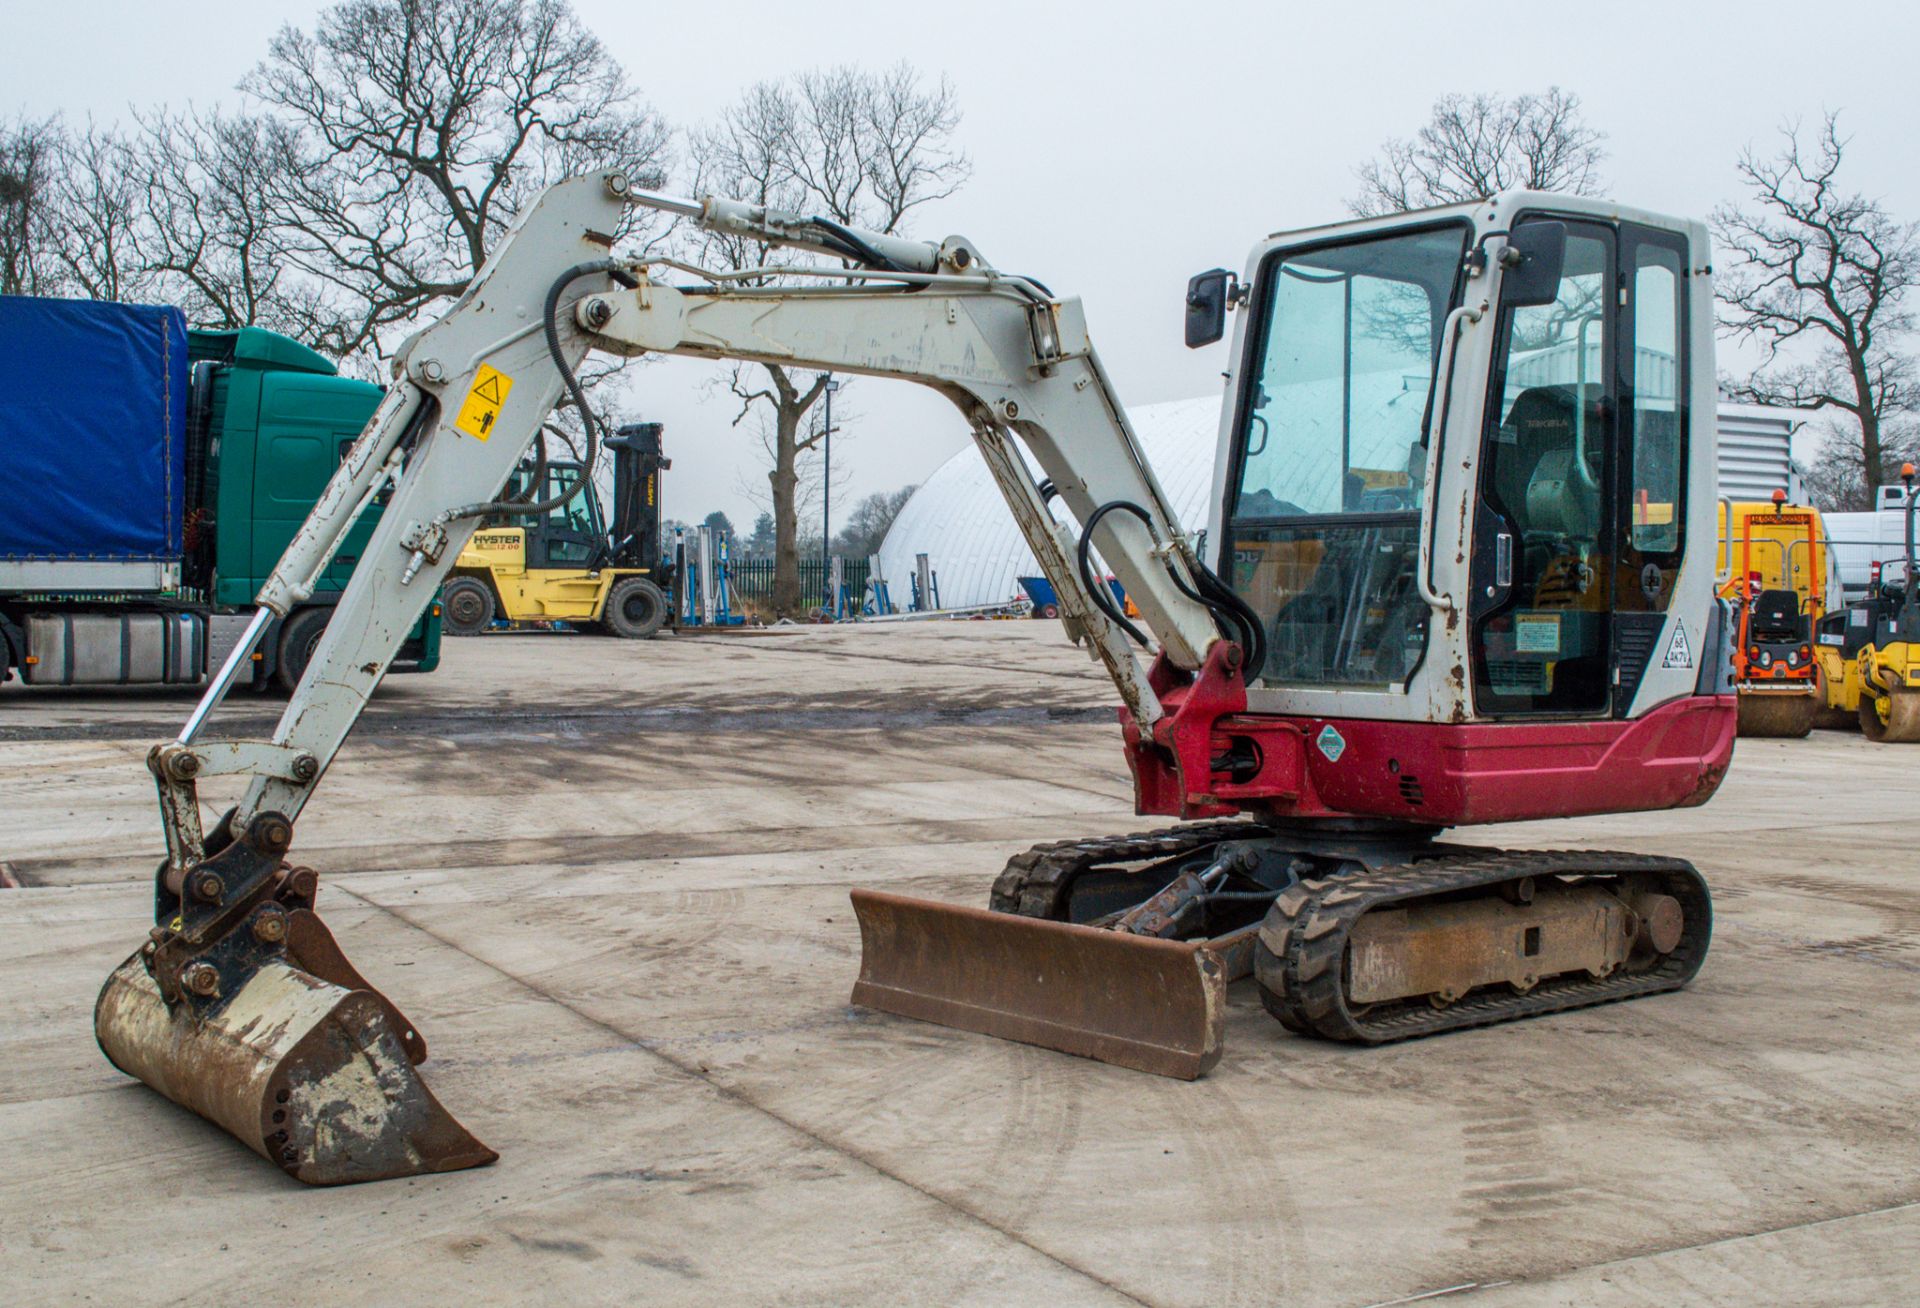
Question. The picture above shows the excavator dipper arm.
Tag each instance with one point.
(240, 1006)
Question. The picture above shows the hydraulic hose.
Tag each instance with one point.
(1234, 616)
(1097, 590)
(551, 324)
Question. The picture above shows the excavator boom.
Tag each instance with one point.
(223, 1010)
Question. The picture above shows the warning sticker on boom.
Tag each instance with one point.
(1679, 653)
(484, 401)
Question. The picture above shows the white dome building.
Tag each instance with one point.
(960, 521)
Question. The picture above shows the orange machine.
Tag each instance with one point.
(1778, 591)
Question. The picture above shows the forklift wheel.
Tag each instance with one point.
(1891, 718)
(466, 607)
(636, 608)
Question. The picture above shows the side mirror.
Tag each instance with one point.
(1530, 265)
(1207, 307)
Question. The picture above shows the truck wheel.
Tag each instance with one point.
(636, 608)
(298, 635)
(466, 607)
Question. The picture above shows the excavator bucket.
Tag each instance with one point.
(305, 1063)
(1135, 1001)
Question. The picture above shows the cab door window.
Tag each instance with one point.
(571, 532)
(1543, 566)
(1654, 512)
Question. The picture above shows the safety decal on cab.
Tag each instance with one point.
(1331, 743)
(1679, 652)
(483, 403)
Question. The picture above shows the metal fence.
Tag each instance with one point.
(752, 581)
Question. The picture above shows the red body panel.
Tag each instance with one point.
(1429, 773)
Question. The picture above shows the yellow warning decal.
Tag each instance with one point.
(482, 407)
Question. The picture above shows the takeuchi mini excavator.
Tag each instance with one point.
(1459, 570)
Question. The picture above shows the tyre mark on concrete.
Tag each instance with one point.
(1511, 1190)
(1545, 1280)
(1020, 669)
(734, 1094)
(596, 850)
(508, 723)
(1236, 1156)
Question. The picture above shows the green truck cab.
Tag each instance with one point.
(279, 419)
(179, 476)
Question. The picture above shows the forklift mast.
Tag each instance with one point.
(638, 461)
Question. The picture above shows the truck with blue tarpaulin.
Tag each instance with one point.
(154, 476)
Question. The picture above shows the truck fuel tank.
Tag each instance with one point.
(108, 649)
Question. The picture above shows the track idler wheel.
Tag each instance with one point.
(243, 1009)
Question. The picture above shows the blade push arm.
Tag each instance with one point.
(472, 390)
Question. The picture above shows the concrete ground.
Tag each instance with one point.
(609, 881)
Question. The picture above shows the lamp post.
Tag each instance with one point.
(826, 477)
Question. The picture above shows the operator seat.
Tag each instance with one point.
(1777, 618)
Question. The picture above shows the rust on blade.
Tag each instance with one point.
(1134, 1001)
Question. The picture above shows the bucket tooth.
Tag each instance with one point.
(310, 1074)
(1135, 1001)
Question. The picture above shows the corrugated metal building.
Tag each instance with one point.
(1755, 452)
(960, 522)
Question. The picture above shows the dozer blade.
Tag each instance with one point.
(311, 1075)
(1135, 1001)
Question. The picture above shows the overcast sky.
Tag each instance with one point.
(1119, 147)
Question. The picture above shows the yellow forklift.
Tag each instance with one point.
(565, 565)
(1869, 651)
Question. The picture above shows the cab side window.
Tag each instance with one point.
(1658, 436)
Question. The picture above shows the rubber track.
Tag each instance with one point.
(1300, 958)
(1036, 882)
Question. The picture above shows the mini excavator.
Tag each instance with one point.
(1459, 570)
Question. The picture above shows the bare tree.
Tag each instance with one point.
(1819, 277)
(31, 155)
(862, 148)
(1476, 145)
(416, 130)
(868, 523)
(210, 237)
(96, 201)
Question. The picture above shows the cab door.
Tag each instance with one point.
(1543, 570)
(1650, 512)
